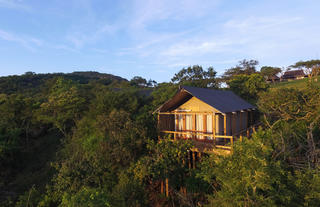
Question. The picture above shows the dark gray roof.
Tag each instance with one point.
(224, 101)
(293, 74)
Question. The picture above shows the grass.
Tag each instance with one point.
(300, 84)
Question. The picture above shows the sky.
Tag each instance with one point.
(154, 38)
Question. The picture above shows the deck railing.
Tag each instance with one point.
(216, 140)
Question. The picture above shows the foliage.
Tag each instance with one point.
(269, 72)
(252, 176)
(109, 154)
(196, 76)
(86, 197)
(165, 162)
(311, 67)
(63, 106)
(245, 67)
(248, 86)
(297, 111)
(141, 82)
(163, 92)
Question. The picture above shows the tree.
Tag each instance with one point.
(63, 106)
(253, 176)
(138, 81)
(296, 113)
(196, 76)
(245, 67)
(248, 86)
(269, 72)
(311, 67)
(162, 93)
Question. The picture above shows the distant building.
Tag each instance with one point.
(293, 75)
(273, 79)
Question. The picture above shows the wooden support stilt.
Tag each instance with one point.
(194, 160)
(167, 187)
(162, 187)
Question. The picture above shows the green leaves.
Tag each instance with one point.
(64, 105)
(248, 86)
(196, 76)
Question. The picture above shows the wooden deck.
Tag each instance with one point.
(209, 142)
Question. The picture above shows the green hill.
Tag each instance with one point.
(293, 84)
(30, 81)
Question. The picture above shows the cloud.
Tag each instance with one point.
(80, 38)
(259, 23)
(27, 42)
(149, 11)
(14, 4)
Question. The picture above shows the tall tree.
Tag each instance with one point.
(311, 67)
(63, 106)
(269, 72)
(138, 81)
(196, 76)
(248, 86)
(245, 67)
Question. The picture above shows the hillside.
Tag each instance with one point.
(30, 81)
(300, 84)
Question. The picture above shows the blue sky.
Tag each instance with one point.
(154, 39)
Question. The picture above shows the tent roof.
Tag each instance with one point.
(224, 101)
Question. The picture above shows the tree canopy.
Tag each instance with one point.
(196, 76)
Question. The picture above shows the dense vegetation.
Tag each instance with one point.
(90, 139)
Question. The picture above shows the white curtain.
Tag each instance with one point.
(188, 124)
(199, 125)
(179, 122)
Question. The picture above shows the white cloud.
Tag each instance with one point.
(259, 23)
(14, 4)
(79, 39)
(27, 42)
(149, 11)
